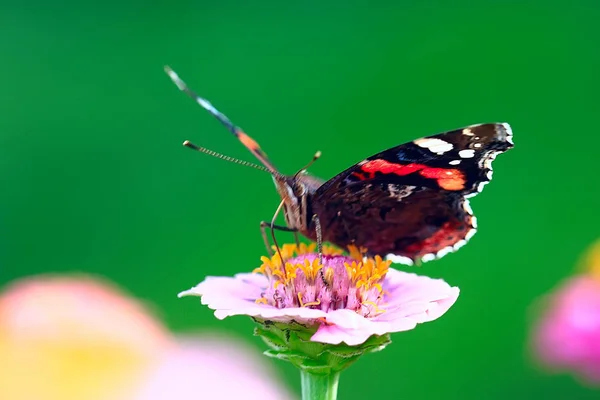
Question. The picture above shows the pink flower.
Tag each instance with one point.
(568, 335)
(205, 367)
(344, 299)
(74, 338)
(64, 338)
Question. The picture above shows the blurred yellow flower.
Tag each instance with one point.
(67, 338)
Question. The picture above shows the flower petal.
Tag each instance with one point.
(353, 329)
(418, 297)
(404, 287)
(411, 299)
(237, 296)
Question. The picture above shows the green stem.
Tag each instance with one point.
(319, 387)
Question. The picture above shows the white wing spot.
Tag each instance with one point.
(470, 234)
(400, 192)
(509, 134)
(467, 132)
(434, 145)
(487, 160)
(444, 251)
(459, 244)
(428, 257)
(399, 259)
(466, 153)
(474, 222)
(454, 162)
(477, 145)
(467, 207)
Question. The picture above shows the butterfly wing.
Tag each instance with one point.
(411, 202)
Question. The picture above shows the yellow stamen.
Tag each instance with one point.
(329, 276)
(331, 251)
(267, 267)
(364, 273)
(262, 300)
(353, 270)
(375, 307)
(304, 249)
(311, 303)
(310, 269)
(287, 252)
(368, 274)
(357, 253)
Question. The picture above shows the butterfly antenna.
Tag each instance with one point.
(246, 140)
(311, 162)
(213, 153)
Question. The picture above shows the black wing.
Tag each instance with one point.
(411, 202)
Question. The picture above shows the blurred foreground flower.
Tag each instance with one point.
(212, 368)
(322, 316)
(77, 338)
(567, 337)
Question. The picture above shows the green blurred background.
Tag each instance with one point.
(94, 177)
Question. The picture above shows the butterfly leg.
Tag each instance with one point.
(319, 233)
(264, 225)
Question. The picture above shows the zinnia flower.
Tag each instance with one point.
(65, 338)
(204, 367)
(339, 299)
(567, 337)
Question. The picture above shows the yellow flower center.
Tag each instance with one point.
(299, 279)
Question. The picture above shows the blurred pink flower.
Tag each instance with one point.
(212, 368)
(69, 338)
(345, 299)
(568, 335)
(73, 338)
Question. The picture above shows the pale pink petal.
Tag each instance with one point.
(349, 327)
(237, 296)
(213, 368)
(352, 321)
(404, 287)
(226, 287)
(419, 298)
(253, 279)
(334, 334)
(439, 307)
(352, 328)
(421, 311)
(301, 315)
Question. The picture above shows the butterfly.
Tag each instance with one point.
(409, 203)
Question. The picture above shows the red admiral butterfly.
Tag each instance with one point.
(409, 203)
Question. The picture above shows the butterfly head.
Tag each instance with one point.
(296, 192)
